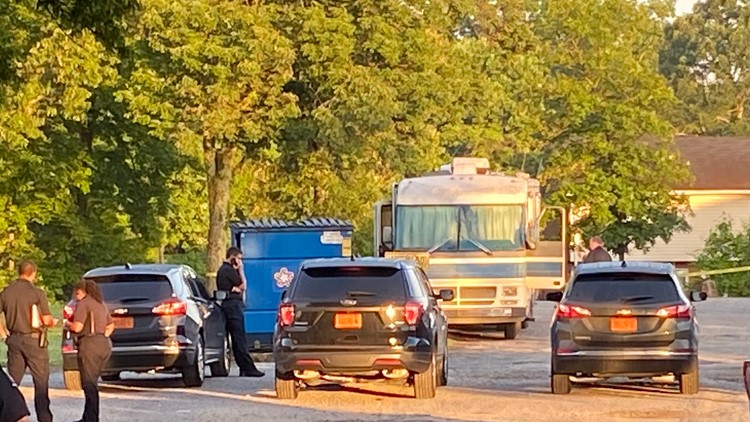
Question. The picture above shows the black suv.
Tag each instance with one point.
(624, 320)
(165, 321)
(366, 319)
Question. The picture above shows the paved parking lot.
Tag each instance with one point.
(490, 380)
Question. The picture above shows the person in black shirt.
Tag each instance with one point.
(26, 336)
(231, 279)
(12, 404)
(597, 253)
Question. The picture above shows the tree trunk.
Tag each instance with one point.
(220, 164)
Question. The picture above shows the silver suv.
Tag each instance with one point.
(618, 319)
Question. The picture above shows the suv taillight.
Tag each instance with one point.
(286, 315)
(572, 311)
(412, 312)
(684, 311)
(172, 306)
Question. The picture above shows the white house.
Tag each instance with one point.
(721, 189)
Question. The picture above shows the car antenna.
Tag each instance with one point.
(624, 264)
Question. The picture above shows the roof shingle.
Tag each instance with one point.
(718, 163)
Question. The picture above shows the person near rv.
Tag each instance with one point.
(597, 253)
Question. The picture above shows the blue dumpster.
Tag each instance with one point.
(272, 251)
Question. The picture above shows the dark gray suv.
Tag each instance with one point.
(370, 319)
(618, 319)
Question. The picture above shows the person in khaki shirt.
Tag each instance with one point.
(25, 336)
(93, 324)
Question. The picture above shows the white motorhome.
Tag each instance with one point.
(476, 232)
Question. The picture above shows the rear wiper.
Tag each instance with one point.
(359, 294)
(635, 299)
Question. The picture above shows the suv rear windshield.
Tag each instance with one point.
(133, 288)
(636, 288)
(340, 282)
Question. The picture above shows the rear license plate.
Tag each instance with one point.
(123, 322)
(623, 325)
(347, 321)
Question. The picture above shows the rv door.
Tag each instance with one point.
(383, 227)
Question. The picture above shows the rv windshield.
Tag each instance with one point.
(459, 228)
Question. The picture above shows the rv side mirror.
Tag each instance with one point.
(555, 296)
(388, 236)
(220, 295)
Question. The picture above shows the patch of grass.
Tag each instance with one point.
(55, 340)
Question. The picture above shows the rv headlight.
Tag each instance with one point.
(510, 291)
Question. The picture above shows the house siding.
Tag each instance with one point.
(709, 209)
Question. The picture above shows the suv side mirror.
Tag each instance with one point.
(554, 296)
(220, 295)
(446, 295)
(698, 296)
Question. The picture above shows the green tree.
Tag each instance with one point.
(727, 247)
(706, 58)
(94, 185)
(384, 89)
(209, 76)
(601, 143)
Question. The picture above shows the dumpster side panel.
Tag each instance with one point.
(271, 259)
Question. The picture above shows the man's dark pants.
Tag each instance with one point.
(24, 352)
(234, 314)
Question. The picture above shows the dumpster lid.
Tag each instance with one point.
(274, 224)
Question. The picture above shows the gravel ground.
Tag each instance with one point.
(490, 379)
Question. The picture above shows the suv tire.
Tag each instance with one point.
(690, 382)
(424, 383)
(511, 330)
(560, 384)
(194, 374)
(72, 380)
(286, 386)
(221, 368)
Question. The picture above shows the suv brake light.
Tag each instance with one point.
(677, 311)
(412, 312)
(286, 315)
(572, 311)
(172, 306)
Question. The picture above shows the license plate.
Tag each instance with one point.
(623, 325)
(123, 322)
(347, 321)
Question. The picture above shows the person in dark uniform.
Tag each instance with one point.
(231, 279)
(26, 334)
(597, 253)
(12, 404)
(93, 324)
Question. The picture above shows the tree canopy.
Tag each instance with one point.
(131, 129)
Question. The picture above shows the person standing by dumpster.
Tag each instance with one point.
(231, 279)
(27, 317)
(93, 324)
